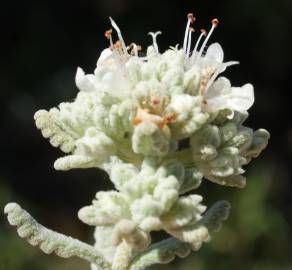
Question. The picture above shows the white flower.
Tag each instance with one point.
(155, 124)
(120, 70)
(220, 95)
(110, 81)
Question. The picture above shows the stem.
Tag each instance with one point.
(122, 256)
(184, 156)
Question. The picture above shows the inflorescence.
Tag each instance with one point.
(129, 118)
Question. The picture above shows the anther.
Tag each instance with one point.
(108, 33)
(215, 22)
(155, 101)
(133, 48)
(204, 32)
(136, 121)
(170, 118)
(162, 124)
(191, 17)
(117, 45)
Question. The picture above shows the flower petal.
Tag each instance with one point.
(220, 87)
(84, 82)
(215, 104)
(223, 67)
(105, 55)
(241, 98)
(215, 53)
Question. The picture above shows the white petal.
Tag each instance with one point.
(215, 53)
(215, 104)
(219, 69)
(116, 84)
(227, 64)
(84, 82)
(241, 98)
(105, 54)
(220, 87)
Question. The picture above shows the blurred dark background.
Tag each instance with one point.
(43, 42)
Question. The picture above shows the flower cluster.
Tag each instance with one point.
(158, 123)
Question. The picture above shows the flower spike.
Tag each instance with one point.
(128, 119)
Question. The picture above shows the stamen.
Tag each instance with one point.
(203, 84)
(134, 48)
(191, 19)
(194, 53)
(204, 32)
(155, 101)
(154, 37)
(117, 51)
(168, 119)
(136, 121)
(190, 40)
(117, 46)
(215, 22)
(108, 35)
(119, 35)
(214, 25)
(213, 77)
(218, 71)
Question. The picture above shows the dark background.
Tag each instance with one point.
(43, 42)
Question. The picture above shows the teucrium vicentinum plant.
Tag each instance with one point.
(130, 118)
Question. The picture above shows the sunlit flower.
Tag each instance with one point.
(157, 124)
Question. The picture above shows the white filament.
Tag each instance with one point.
(111, 41)
(186, 35)
(189, 42)
(135, 48)
(205, 42)
(196, 47)
(219, 69)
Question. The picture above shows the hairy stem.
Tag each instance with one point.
(184, 156)
(122, 256)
